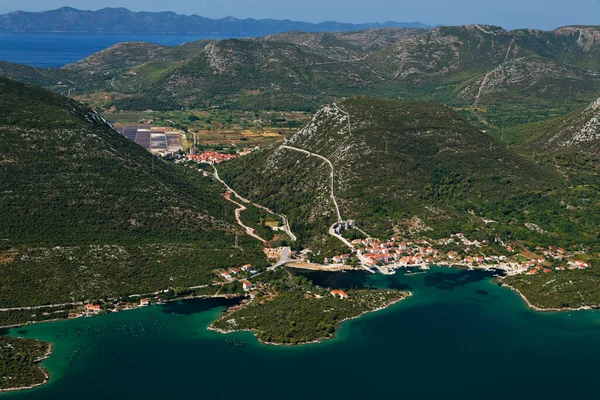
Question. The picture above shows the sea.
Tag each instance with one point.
(54, 50)
(460, 336)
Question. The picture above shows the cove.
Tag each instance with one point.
(459, 336)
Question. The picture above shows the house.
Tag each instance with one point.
(91, 308)
(144, 302)
(581, 264)
(247, 285)
(547, 271)
(341, 293)
(235, 271)
(226, 275)
(247, 268)
(532, 272)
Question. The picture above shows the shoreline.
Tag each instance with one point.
(319, 340)
(203, 296)
(540, 309)
(37, 363)
(50, 350)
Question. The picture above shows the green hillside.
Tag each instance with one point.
(571, 142)
(86, 213)
(404, 161)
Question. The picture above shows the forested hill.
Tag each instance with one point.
(121, 20)
(572, 142)
(68, 177)
(86, 212)
(398, 160)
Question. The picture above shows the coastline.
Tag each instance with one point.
(37, 362)
(50, 349)
(540, 309)
(319, 340)
(203, 296)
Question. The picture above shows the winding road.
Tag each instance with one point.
(238, 212)
(337, 208)
(331, 232)
(284, 220)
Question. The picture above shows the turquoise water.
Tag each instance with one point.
(460, 336)
(53, 50)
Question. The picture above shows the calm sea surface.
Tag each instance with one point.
(459, 337)
(53, 50)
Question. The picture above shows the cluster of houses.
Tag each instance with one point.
(337, 259)
(246, 270)
(542, 264)
(554, 252)
(212, 157)
(460, 238)
(530, 269)
(475, 259)
(396, 252)
(92, 309)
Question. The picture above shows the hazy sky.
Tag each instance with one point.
(541, 14)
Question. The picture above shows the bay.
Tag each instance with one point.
(460, 336)
(54, 50)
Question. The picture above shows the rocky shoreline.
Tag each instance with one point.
(46, 356)
(540, 309)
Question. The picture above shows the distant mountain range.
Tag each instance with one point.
(122, 20)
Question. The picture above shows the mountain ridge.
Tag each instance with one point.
(498, 78)
(122, 20)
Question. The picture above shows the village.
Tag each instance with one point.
(374, 255)
(457, 250)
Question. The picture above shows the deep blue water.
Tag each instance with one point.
(53, 50)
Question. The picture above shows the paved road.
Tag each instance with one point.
(284, 258)
(337, 208)
(77, 303)
(238, 212)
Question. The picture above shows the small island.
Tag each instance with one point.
(290, 310)
(19, 363)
